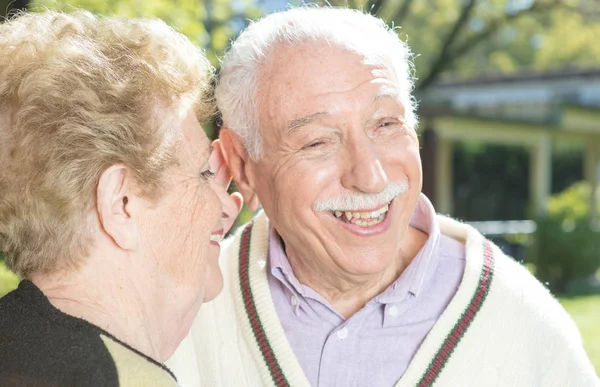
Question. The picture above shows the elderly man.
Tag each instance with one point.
(348, 277)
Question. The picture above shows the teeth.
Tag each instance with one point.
(370, 222)
(216, 237)
(364, 219)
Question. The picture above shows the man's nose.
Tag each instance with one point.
(363, 170)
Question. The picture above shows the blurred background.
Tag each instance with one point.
(509, 94)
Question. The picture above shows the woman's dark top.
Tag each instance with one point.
(40, 346)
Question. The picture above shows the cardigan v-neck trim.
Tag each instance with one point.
(274, 356)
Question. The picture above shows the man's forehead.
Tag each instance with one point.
(296, 90)
(382, 93)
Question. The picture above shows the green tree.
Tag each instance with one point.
(471, 37)
(210, 24)
(552, 38)
(463, 38)
(567, 242)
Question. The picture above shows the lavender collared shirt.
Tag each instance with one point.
(374, 346)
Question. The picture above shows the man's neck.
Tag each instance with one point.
(114, 303)
(349, 294)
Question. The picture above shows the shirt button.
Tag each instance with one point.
(393, 311)
(294, 300)
(342, 333)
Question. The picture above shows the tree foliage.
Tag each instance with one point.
(567, 241)
(449, 37)
(210, 24)
(547, 36)
(471, 37)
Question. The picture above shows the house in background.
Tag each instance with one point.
(542, 112)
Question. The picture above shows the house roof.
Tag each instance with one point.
(499, 79)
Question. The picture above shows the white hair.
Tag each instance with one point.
(346, 28)
(355, 201)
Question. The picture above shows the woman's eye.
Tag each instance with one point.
(207, 175)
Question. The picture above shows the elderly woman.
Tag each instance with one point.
(111, 205)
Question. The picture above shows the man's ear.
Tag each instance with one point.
(114, 197)
(238, 160)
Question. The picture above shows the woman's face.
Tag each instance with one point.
(185, 225)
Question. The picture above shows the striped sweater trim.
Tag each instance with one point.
(458, 331)
(258, 329)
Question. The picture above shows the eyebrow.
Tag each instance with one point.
(302, 121)
(386, 92)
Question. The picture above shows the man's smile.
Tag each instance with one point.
(374, 222)
(363, 218)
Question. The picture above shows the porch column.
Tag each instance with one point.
(591, 170)
(540, 174)
(443, 172)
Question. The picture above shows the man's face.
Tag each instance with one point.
(334, 142)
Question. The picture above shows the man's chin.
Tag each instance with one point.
(366, 264)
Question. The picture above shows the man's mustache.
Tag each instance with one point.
(361, 201)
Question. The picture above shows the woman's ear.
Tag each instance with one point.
(113, 202)
(238, 160)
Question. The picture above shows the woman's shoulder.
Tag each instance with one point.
(41, 346)
(39, 349)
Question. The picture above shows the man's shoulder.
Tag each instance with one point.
(510, 277)
(515, 292)
(517, 282)
(522, 311)
(522, 298)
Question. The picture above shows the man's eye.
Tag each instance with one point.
(207, 175)
(314, 144)
(383, 124)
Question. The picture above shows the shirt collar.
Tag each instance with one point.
(423, 265)
(280, 264)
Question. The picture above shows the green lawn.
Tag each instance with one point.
(585, 310)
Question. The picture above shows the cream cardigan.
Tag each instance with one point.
(502, 328)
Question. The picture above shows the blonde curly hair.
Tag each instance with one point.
(79, 93)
